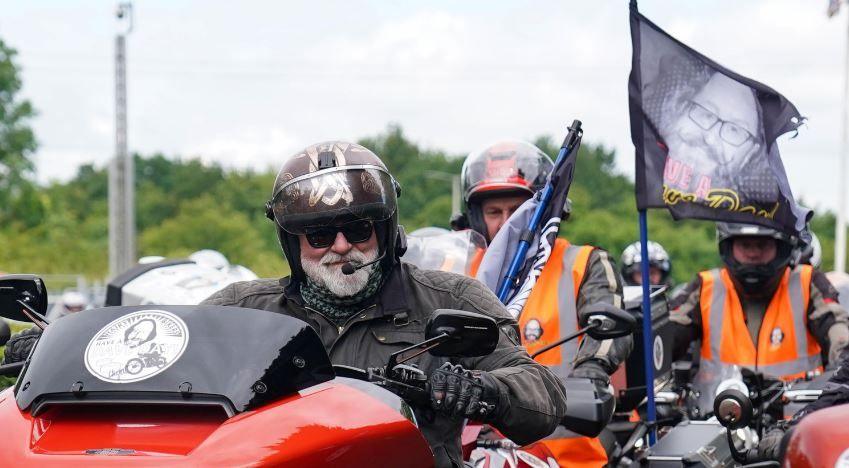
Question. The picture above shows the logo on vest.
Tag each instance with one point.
(776, 337)
(532, 331)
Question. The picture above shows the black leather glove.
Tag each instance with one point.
(20, 344)
(594, 371)
(460, 393)
(769, 447)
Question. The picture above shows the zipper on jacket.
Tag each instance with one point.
(341, 329)
(346, 326)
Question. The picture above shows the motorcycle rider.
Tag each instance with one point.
(495, 182)
(70, 302)
(335, 210)
(659, 265)
(758, 311)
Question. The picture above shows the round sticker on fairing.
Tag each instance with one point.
(136, 346)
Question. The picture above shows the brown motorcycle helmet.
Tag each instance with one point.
(503, 169)
(333, 183)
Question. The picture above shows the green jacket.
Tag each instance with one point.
(534, 398)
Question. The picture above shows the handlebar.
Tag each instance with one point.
(408, 382)
(505, 444)
(12, 370)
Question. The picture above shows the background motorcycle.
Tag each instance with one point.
(746, 407)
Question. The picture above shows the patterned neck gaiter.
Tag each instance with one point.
(340, 309)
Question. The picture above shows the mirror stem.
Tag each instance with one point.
(582, 331)
(401, 357)
(738, 457)
(39, 320)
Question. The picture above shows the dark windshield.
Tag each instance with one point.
(178, 353)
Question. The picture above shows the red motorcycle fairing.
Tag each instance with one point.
(821, 439)
(331, 424)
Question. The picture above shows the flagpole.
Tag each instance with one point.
(840, 234)
(508, 283)
(648, 358)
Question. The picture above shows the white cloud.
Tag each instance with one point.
(247, 148)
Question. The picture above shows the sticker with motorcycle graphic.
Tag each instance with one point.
(136, 346)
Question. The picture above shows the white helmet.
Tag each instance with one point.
(210, 259)
(73, 301)
(658, 258)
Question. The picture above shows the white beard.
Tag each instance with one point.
(322, 273)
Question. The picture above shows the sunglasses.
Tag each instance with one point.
(356, 232)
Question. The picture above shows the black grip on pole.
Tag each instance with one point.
(526, 236)
(573, 135)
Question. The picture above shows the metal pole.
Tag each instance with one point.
(840, 234)
(122, 232)
(648, 341)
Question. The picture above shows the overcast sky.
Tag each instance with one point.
(247, 83)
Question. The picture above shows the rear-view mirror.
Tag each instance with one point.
(609, 321)
(733, 409)
(468, 334)
(28, 289)
(5, 332)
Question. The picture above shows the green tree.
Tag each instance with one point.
(421, 174)
(202, 222)
(19, 201)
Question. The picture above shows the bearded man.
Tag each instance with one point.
(334, 205)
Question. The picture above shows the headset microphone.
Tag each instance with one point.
(349, 268)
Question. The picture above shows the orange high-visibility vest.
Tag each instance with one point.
(475, 263)
(551, 310)
(785, 348)
(549, 314)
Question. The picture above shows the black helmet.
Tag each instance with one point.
(754, 279)
(332, 183)
(631, 259)
(503, 169)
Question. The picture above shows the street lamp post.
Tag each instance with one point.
(122, 219)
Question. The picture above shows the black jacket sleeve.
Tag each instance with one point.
(686, 318)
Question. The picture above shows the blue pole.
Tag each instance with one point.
(651, 413)
(507, 283)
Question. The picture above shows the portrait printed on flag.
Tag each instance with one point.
(711, 131)
(705, 136)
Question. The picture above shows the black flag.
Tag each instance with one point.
(705, 136)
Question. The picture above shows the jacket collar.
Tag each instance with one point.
(392, 295)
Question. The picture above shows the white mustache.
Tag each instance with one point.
(333, 257)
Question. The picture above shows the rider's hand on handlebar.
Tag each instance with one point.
(19, 346)
(460, 393)
(769, 447)
(594, 371)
